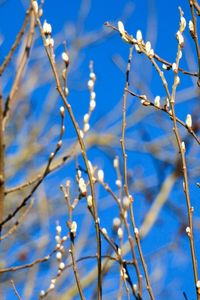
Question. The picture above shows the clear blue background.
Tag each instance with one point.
(158, 21)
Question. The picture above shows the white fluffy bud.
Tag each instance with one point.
(120, 233)
(157, 101)
(182, 24)
(35, 6)
(65, 57)
(100, 175)
(139, 36)
(148, 47)
(188, 121)
(89, 201)
(47, 28)
(121, 27)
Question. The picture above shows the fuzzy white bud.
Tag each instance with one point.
(177, 80)
(104, 231)
(126, 202)
(59, 144)
(92, 76)
(139, 36)
(151, 53)
(180, 38)
(180, 54)
(40, 12)
(89, 201)
(148, 47)
(81, 134)
(65, 57)
(79, 175)
(90, 84)
(120, 26)
(174, 67)
(86, 118)
(183, 146)
(42, 293)
(157, 101)
(198, 284)
(66, 91)
(61, 266)
(118, 183)
(116, 223)
(122, 31)
(164, 66)
(188, 121)
(191, 26)
(116, 162)
(47, 28)
(62, 110)
(52, 286)
(92, 105)
(59, 255)
(57, 238)
(188, 230)
(92, 95)
(49, 42)
(120, 233)
(35, 6)
(82, 186)
(123, 273)
(137, 48)
(182, 24)
(86, 127)
(73, 228)
(100, 175)
(136, 231)
(58, 229)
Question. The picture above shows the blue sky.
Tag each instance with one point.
(158, 21)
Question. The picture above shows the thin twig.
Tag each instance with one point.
(164, 109)
(22, 63)
(185, 176)
(15, 44)
(15, 290)
(72, 234)
(197, 6)
(194, 34)
(126, 190)
(17, 223)
(182, 156)
(37, 177)
(2, 149)
(158, 204)
(35, 262)
(125, 176)
(45, 173)
(74, 265)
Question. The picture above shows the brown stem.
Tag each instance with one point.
(2, 175)
(15, 44)
(20, 70)
(171, 97)
(195, 35)
(75, 269)
(126, 191)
